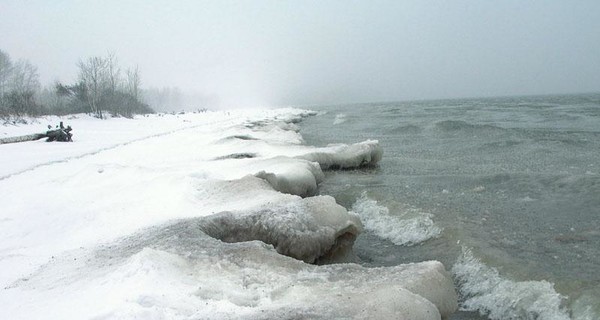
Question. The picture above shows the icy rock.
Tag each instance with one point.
(428, 279)
(314, 229)
(311, 229)
(293, 176)
(342, 156)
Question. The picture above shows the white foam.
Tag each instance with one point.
(586, 306)
(408, 227)
(339, 118)
(483, 289)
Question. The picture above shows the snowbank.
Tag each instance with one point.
(197, 215)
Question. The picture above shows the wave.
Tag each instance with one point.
(502, 144)
(407, 129)
(407, 228)
(580, 184)
(484, 290)
(339, 119)
(455, 126)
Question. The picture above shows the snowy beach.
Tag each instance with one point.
(197, 215)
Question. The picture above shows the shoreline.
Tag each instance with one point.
(154, 184)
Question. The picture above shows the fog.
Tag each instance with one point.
(274, 53)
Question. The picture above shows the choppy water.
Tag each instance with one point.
(504, 191)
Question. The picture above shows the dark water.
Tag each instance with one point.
(512, 183)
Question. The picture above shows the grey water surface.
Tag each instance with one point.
(515, 181)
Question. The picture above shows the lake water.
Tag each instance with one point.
(504, 191)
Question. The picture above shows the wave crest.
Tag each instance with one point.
(483, 289)
(463, 126)
(339, 119)
(407, 228)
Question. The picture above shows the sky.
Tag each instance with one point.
(279, 53)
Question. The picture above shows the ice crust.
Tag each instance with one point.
(162, 224)
(342, 156)
(306, 229)
(291, 175)
(176, 271)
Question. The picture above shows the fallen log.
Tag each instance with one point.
(29, 137)
(61, 134)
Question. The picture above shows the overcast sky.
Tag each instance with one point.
(319, 52)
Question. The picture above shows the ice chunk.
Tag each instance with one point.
(293, 176)
(428, 279)
(342, 156)
(309, 229)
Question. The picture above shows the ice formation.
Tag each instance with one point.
(309, 229)
(291, 176)
(343, 156)
(176, 271)
(178, 224)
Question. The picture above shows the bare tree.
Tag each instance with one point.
(5, 72)
(113, 72)
(101, 87)
(134, 82)
(93, 75)
(25, 77)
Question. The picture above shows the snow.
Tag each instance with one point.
(209, 215)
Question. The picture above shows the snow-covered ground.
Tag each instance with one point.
(209, 215)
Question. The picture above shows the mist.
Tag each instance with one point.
(276, 53)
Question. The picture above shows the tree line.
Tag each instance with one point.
(102, 88)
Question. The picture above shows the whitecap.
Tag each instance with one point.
(408, 227)
(339, 119)
(483, 289)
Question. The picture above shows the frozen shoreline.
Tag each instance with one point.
(119, 227)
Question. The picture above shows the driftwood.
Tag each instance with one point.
(61, 134)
